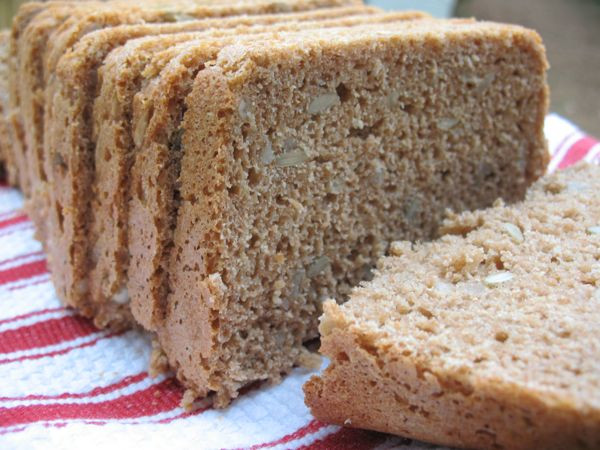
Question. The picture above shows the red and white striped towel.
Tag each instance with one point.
(65, 384)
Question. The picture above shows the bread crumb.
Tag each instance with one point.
(187, 401)
(309, 360)
(159, 363)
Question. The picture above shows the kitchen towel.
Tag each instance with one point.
(65, 384)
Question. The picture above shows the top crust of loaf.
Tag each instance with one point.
(485, 338)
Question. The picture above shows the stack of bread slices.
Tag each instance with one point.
(214, 170)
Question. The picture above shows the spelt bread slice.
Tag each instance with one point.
(486, 338)
(158, 112)
(69, 155)
(302, 158)
(109, 231)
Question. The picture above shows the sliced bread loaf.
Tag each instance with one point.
(486, 338)
(119, 79)
(157, 126)
(303, 157)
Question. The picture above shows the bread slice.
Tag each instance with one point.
(69, 153)
(298, 161)
(486, 338)
(113, 136)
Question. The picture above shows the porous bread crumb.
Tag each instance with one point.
(188, 399)
(309, 360)
(514, 364)
(159, 364)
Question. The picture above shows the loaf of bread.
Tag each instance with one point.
(298, 160)
(485, 338)
(215, 179)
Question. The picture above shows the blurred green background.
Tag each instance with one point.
(570, 29)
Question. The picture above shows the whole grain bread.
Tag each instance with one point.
(69, 153)
(120, 78)
(485, 338)
(303, 157)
